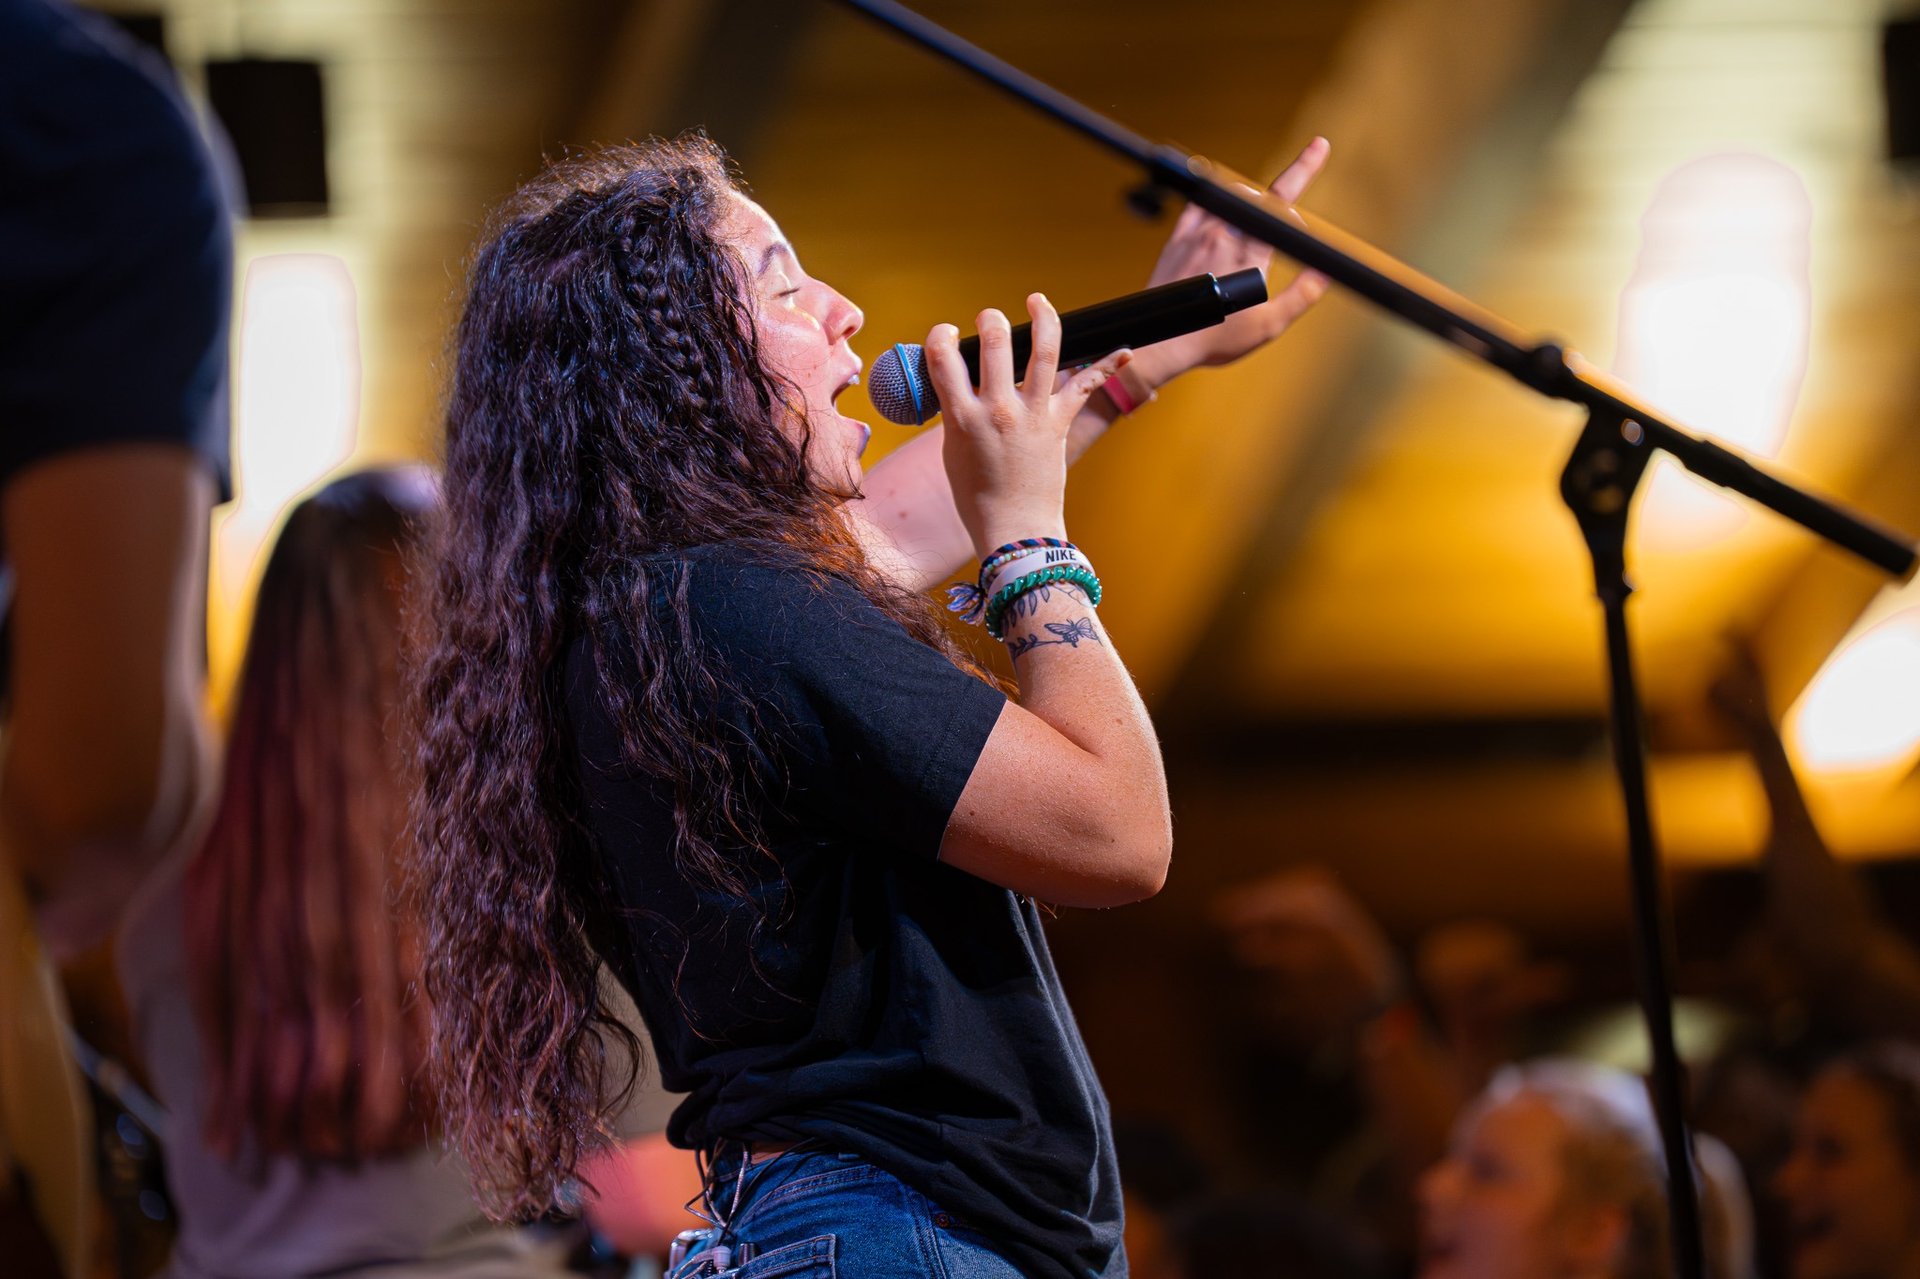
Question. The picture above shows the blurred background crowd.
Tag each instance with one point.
(1381, 1023)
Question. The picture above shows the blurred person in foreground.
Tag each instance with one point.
(115, 266)
(1556, 1172)
(271, 975)
(1851, 1184)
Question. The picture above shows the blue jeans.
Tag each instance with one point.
(817, 1215)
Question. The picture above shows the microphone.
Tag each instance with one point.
(902, 389)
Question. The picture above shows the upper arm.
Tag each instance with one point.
(108, 547)
(1038, 816)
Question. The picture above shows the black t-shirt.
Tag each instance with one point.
(876, 1000)
(115, 247)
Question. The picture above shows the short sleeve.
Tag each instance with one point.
(115, 252)
(880, 731)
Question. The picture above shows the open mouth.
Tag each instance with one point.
(853, 380)
(866, 432)
(1435, 1253)
(1811, 1229)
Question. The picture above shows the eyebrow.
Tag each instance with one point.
(766, 258)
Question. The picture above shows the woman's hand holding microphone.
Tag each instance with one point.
(1005, 447)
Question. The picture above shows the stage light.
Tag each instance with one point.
(299, 376)
(297, 416)
(1860, 716)
(1714, 326)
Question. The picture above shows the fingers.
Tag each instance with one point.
(1072, 397)
(1298, 176)
(1045, 358)
(948, 370)
(1297, 298)
(996, 354)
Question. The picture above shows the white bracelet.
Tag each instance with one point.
(1032, 562)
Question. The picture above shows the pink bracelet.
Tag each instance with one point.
(1117, 392)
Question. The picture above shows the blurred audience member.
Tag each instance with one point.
(1851, 1186)
(1330, 987)
(1485, 987)
(271, 973)
(115, 266)
(1863, 974)
(1269, 1235)
(1556, 1170)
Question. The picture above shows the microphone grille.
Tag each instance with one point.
(899, 386)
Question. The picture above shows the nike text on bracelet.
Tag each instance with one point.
(1031, 562)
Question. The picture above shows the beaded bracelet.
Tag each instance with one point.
(1064, 575)
(1031, 562)
(969, 599)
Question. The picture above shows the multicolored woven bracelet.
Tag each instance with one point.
(969, 599)
(1024, 544)
(1060, 575)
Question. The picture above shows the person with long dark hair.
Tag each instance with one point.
(684, 707)
(272, 984)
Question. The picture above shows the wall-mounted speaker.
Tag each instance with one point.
(274, 112)
(1900, 63)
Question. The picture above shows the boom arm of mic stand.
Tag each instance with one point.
(1400, 290)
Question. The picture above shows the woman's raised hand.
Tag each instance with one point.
(1202, 243)
(1005, 446)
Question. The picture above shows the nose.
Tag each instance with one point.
(1435, 1185)
(843, 317)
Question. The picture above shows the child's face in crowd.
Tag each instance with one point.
(1497, 1207)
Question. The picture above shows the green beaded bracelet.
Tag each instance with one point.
(1059, 574)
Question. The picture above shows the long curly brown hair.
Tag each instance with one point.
(608, 403)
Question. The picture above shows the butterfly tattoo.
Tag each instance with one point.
(1068, 633)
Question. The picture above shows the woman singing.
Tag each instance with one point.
(687, 711)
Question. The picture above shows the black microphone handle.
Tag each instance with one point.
(1139, 319)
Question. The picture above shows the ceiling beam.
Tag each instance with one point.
(716, 65)
(1453, 216)
(1415, 81)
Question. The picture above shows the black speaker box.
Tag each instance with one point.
(1900, 52)
(274, 112)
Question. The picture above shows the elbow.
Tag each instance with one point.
(128, 815)
(1138, 871)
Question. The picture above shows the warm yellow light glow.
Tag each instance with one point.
(299, 375)
(297, 413)
(1861, 713)
(1714, 326)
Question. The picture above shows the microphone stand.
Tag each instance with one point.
(1598, 484)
